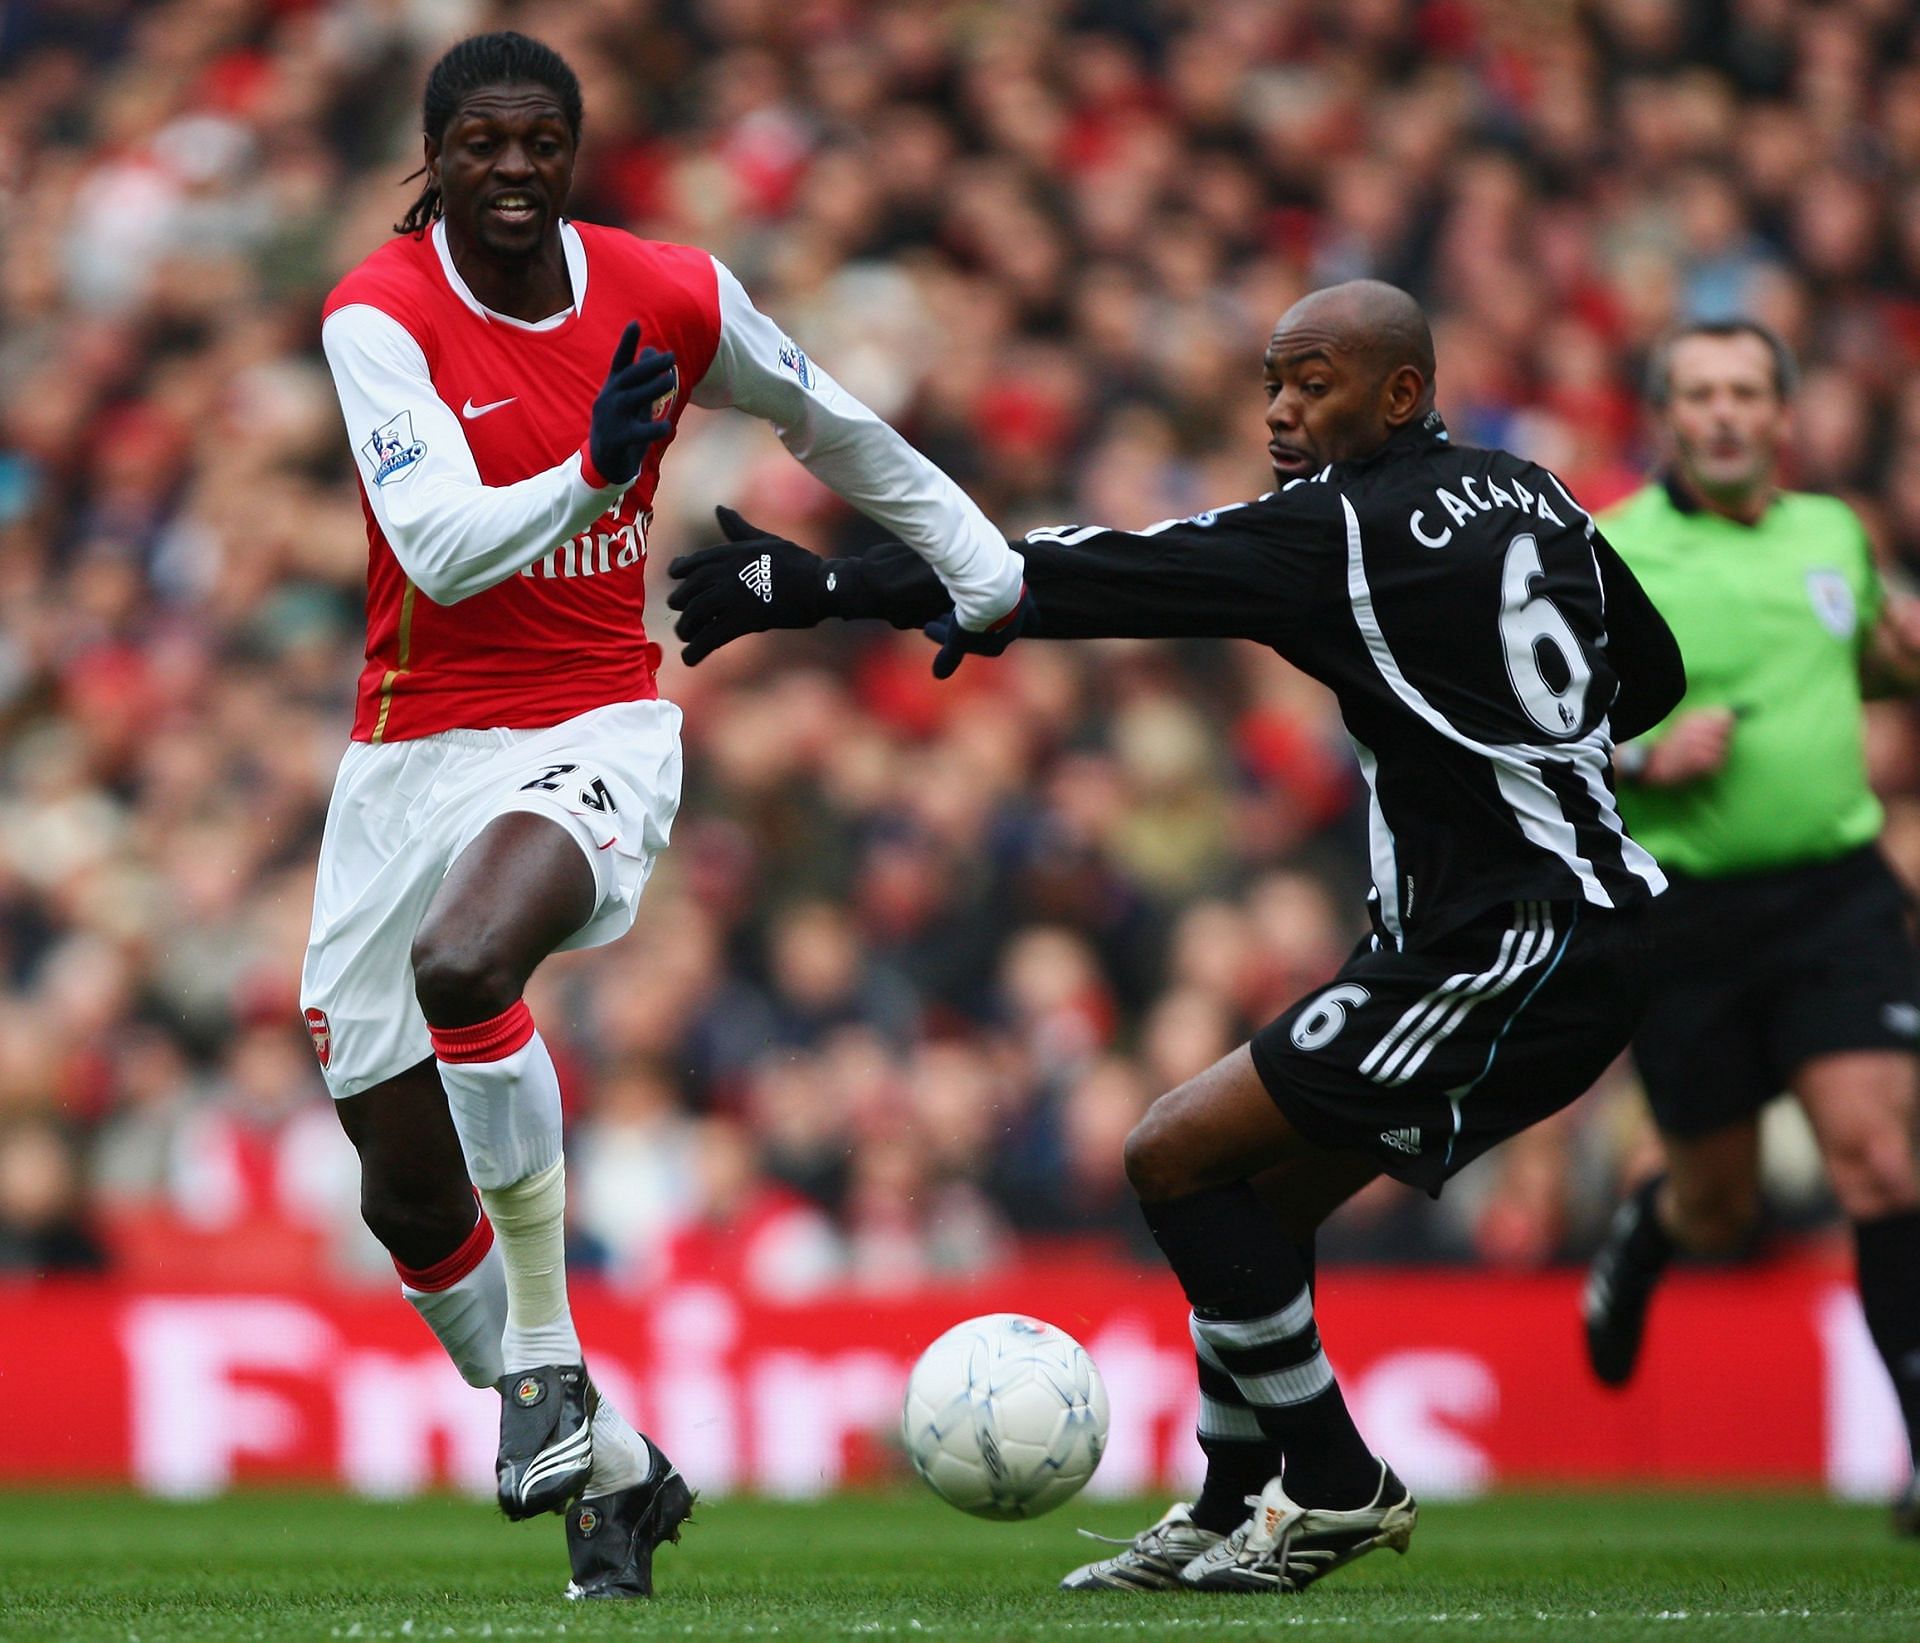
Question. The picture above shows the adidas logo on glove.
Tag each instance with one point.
(758, 575)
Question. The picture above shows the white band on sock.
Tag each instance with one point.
(1295, 1318)
(1246, 1349)
(1235, 1421)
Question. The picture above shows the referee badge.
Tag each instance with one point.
(1832, 598)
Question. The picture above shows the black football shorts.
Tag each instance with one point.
(1426, 1058)
(1757, 973)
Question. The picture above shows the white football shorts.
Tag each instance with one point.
(400, 816)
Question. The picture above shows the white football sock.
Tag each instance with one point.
(468, 1316)
(505, 1099)
(504, 1096)
(622, 1458)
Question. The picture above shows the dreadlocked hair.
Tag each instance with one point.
(503, 59)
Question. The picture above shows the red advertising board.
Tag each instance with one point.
(1465, 1381)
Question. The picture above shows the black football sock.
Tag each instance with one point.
(1889, 1266)
(1240, 1457)
(1253, 1319)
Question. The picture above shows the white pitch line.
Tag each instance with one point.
(1168, 1623)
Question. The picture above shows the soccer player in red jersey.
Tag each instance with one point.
(513, 772)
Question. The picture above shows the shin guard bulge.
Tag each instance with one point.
(505, 1099)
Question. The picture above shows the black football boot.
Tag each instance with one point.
(546, 1438)
(611, 1538)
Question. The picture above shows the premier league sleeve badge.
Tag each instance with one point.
(393, 451)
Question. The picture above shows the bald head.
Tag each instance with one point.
(1346, 367)
(1368, 320)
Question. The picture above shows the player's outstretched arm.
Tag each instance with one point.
(756, 368)
(453, 535)
(1249, 571)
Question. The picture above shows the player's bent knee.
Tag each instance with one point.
(1153, 1166)
(458, 982)
(418, 1232)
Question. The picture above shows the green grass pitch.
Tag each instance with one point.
(1591, 1568)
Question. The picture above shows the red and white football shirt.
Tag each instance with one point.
(506, 587)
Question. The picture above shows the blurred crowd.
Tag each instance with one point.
(919, 956)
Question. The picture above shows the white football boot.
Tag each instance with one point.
(1286, 1547)
(1151, 1561)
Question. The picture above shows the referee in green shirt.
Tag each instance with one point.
(1783, 959)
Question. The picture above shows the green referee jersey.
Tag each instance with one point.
(1772, 619)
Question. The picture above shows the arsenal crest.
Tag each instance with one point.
(661, 404)
(321, 1034)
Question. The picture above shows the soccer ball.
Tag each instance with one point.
(1006, 1416)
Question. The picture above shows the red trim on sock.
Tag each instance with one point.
(445, 1274)
(492, 1040)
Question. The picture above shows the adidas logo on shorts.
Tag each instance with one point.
(759, 577)
(1403, 1140)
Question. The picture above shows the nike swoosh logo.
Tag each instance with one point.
(471, 410)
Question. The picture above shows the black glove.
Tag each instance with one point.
(957, 643)
(749, 584)
(624, 415)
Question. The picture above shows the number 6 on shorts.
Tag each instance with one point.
(1320, 1023)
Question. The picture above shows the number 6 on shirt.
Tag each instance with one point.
(1529, 621)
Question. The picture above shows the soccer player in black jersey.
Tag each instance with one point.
(1487, 646)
